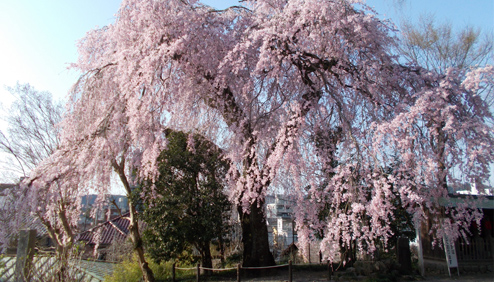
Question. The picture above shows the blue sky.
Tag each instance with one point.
(457, 12)
(38, 38)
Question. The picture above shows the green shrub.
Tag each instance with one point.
(233, 259)
(129, 270)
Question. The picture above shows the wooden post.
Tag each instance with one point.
(238, 272)
(290, 271)
(25, 252)
(198, 273)
(330, 270)
(309, 255)
(173, 272)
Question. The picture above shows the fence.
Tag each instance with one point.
(7, 266)
(477, 250)
(239, 269)
(43, 268)
(26, 266)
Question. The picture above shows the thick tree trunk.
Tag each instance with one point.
(255, 236)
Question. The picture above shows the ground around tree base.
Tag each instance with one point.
(343, 276)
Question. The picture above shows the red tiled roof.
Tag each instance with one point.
(117, 228)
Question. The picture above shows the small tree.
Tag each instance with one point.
(32, 133)
(32, 140)
(187, 206)
(438, 47)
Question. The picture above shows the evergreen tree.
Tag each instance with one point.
(188, 207)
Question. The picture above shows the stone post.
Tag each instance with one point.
(25, 252)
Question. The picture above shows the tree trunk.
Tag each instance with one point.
(348, 254)
(206, 259)
(63, 261)
(222, 249)
(63, 247)
(147, 273)
(134, 234)
(255, 236)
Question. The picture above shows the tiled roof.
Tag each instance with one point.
(4, 188)
(117, 228)
(29, 222)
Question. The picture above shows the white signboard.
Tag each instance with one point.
(449, 249)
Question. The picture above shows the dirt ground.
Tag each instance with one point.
(485, 277)
(319, 276)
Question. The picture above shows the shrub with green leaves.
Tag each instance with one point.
(129, 270)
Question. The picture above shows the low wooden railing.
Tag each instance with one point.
(239, 269)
